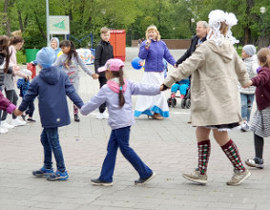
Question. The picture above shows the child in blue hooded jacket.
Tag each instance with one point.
(51, 86)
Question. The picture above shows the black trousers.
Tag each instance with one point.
(102, 81)
(258, 143)
(12, 96)
(30, 109)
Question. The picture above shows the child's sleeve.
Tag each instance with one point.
(261, 79)
(71, 92)
(143, 89)
(31, 94)
(5, 104)
(83, 66)
(94, 102)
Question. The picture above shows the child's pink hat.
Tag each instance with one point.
(113, 64)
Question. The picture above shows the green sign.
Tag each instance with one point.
(60, 25)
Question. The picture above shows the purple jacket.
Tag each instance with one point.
(154, 54)
(6, 105)
(262, 82)
(119, 117)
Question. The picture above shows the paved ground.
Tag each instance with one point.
(167, 146)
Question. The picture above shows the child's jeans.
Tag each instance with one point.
(246, 105)
(50, 141)
(120, 138)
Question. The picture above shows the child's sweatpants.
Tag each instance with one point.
(181, 87)
(120, 138)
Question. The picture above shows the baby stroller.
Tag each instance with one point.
(184, 87)
(186, 101)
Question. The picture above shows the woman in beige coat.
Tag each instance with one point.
(216, 69)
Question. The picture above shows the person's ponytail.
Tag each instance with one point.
(4, 50)
(268, 59)
(121, 84)
(73, 50)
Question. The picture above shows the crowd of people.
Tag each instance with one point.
(222, 84)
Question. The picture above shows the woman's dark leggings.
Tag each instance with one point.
(258, 142)
(12, 96)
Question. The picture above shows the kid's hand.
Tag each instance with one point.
(27, 77)
(17, 112)
(95, 76)
(16, 68)
(249, 83)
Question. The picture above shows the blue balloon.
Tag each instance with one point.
(136, 63)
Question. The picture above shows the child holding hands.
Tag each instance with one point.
(51, 86)
(70, 61)
(117, 95)
(261, 120)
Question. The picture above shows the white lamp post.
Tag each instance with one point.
(262, 10)
(47, 22)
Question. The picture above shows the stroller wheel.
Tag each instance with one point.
(174, 102)
(188, 103)
(169, 101)
(183, 103)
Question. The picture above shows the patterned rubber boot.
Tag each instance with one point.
(240, 172)
(199, 175)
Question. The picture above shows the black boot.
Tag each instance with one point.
(76, 118)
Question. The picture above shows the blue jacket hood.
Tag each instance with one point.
(50, 75)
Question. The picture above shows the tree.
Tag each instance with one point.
(174, 18)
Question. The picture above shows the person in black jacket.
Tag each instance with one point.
(104, 52)
(200, 37)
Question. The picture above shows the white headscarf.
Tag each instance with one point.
(215, 19)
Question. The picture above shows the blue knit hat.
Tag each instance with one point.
(46, 57)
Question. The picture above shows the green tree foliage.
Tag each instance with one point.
(175, 19)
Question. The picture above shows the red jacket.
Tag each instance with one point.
(5, 104)
(262, 82)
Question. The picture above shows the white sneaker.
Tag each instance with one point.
(4, 124)
(245, 127)
(100, 116)
(105, 115)
(17, 122)
(3, 130)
